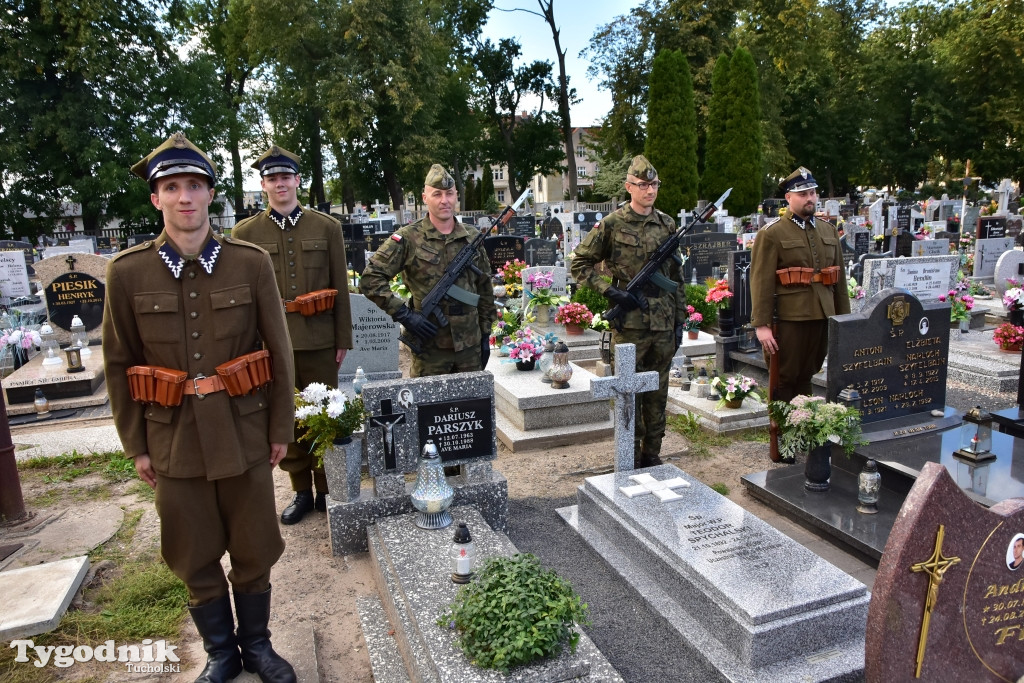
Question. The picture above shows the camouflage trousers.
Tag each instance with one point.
(654, 351)
(318, 365)
(435, 361)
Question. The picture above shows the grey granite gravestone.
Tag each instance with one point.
(541, 252)
(623, 387)
(558, 286)
(457, 413)
(1010, 264)
(987, 252)
(934, 247)
(926, 277)
(74, 284)
(969, 221)
(748, 600)
(374, 342)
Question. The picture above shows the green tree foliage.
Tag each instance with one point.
(743, 135)
(713, 181)
(672, 131)
(487, 189)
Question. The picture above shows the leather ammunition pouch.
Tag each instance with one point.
(312, 303)
(803, 277)
(167, 387)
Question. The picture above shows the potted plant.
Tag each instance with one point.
(960, 305)
(514, 612)
(692, 322)
(733, 389)
(540, 298)
(503, 328)
(718, 293)
(1009, 337)
(524, 348)
(328, 417)
(512, 275)
(810, 424)
(1013, 300)
(575, 317)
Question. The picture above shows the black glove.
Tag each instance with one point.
(415, 322)
(679, 335)
(626, 301)
(485, 352)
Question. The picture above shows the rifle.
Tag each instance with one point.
(773, 385)
(446, 287)
(665, 251)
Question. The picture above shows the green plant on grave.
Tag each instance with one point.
(591, 298)
(514, 612)
(695, 295)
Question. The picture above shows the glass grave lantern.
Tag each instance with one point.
(976, 436)
(79, 337)
(50, 347)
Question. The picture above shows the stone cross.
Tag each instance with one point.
(645, 484)
(623, 387)
(387, 421)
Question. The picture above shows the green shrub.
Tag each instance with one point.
(515, 612)
(591, 298)
(695, 297)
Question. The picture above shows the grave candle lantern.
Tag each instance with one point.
(869, 485)
(79, 337)
(74, 355)
(544, 364)
(560, 371)
(606, 346)
(41, 403)
(432, 495)
(462, 554)
(976, 435)
(851, 398)
(49, 345)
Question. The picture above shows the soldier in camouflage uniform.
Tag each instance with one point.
(624, 240)
(421, 252)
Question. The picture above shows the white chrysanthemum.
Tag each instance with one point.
(315, 392)
(335, 409)
(306, 412)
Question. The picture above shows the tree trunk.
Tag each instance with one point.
(548, 10)
(316, 184)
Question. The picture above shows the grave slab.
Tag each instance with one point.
(752, 602)
(35, 598)
(413, 576)
(703, 345)
(57, 383)
(751, 415)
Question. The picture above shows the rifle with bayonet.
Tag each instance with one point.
(446, 287)
(651, 269)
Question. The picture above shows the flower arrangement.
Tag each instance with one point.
(17, 340)
(854, 290)
(989, 209)
(1012, 282)
(735, 388)
(718, 293)
(505, 326)
(574, 314)
(1013, 299)
(398, 286)
(525, 345)
(868, 224)
(326, 414)
(512, 275)
(879, 238)
(693, 319)
(1008, 336)
(540, 293)
(960, 302)
(807, 422)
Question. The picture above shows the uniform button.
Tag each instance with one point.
(291, 263)
(293, 275)
(192, 276)
(291, 252)
(231, 301)
(259, 405)
(291, 239)
(201, 396)
(195, 335)
(197, 356)
(194, 314)
(156, 308)
(294, 287)
(193, 295)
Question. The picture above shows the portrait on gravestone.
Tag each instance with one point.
(502, 249)
(1015, 552)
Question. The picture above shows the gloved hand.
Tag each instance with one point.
(679, 335)
(626, 301)
(415, 322)
(485, 351)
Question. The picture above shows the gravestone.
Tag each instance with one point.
(894, 352)
(702, 228)
(74, 284)
(902, 216)
(739, 285)
(991, 227)
(772, 205)
(936, 247)
(969, 221)
(947, 600)
(706, 253)
(622, 387)
(457, 413)
(541, 252)
(355, 245)
(503, 248)
(19, 245)
(987, 252)
(861, 243)
(745, 600)
(140, 238)
(375, 240)
(14, 275)
(558, 282)
(1010, 264)
(522, 225)
(374, 343)
(926, 277)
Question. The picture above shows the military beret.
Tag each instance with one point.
(175, 156)
(798, 181)
(277, 160)
(641, 168)
(439, 178)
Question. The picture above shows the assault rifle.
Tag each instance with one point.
(666, 250)
(446, 287)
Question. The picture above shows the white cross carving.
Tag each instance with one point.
(648, 484)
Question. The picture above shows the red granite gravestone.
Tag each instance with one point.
(948, 599)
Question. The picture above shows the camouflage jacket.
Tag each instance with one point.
(421, 254)
(624, 240)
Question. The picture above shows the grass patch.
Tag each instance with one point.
(113, 465)
(117, 548)
(720, 488)
(701, 440)
(759, 435)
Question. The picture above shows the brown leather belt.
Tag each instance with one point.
(200, 385)
(167, 387)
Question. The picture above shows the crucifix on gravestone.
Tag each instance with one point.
(387, 421)
(70, 260)
(623, 387)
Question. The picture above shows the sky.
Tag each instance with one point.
(577, 21)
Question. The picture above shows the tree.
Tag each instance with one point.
(487, 188)
(672, 131)
(743, 135)
(713, 181)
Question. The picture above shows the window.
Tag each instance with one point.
(501, 196)
(581, 151)
(581, 172)
(498, 174)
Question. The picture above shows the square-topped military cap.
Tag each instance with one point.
(641, 168)
(438, 177)
(277, 160)
(175, 156)
(798, 181)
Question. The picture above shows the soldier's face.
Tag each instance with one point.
(184, 200)
(282, 190)
(802, 203)
(440, 203)
(642, 193)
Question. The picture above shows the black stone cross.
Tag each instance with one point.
(387, 421)
(70, 260)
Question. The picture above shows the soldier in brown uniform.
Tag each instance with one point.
(421, 252)
(624, 240)
(184, 304)
(797, 240)
(307, 248)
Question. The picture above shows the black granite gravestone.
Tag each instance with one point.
(739, 284)
(861, 243)
(541, 252)
(140, 238)
(72, 294)
(503, 248)
(521, 225)
(706, 252)
(991, 227)
(460, 429)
